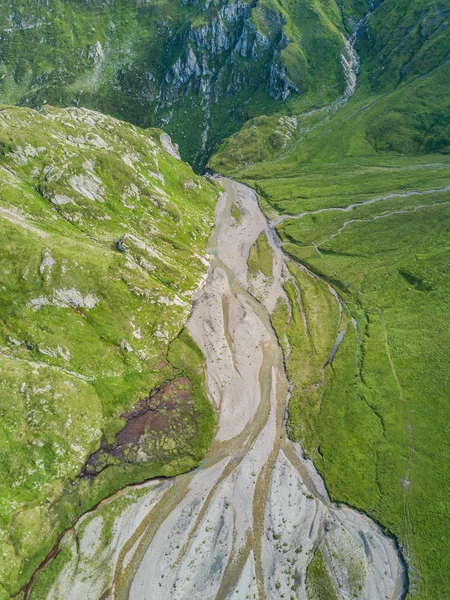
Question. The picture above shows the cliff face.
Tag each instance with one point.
(218, 60)
(197, 68)
(211, 49)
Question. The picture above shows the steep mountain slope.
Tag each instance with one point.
(197, 69)
(103, 244)
(401, 103)
(360, 193)
(356, 179)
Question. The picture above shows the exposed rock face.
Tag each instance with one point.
(212, 53)
(222, 57)
(169, 146)
(280, 86)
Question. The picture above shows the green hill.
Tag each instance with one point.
(94, 288)
(198, 70)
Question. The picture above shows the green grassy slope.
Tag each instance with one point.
(375, 418)
(404, 39)
(97, 566)
(401, 103)
(412, 119)
(198, 70)
(103, 236)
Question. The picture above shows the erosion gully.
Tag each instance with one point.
(247, 522)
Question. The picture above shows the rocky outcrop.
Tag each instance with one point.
(279, 85)
(169, 146)
(209, 48)
(237, 50)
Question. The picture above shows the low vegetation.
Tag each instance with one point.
(318, 582)
(94, 287)
(260, 259)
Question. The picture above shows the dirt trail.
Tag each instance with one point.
(248, 521)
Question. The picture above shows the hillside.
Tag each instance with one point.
(399, 105)
(94, 288)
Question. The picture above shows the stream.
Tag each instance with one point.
(247, 522)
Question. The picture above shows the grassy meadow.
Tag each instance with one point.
(94, 291)
(373, 264)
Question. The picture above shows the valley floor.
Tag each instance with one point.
(254, 520)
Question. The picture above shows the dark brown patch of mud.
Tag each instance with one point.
(151, 425)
